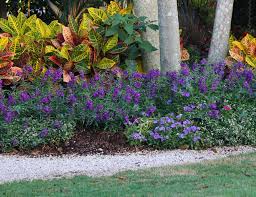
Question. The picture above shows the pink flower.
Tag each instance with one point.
(227, 107)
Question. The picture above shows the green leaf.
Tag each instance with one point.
(43, 28)
(4, 25)
(73, 24)
(105, 63)
(50, 49)
(64, 52)
(112, 31)
(111, 43)
(95, 39)
(118, 50)
(79, 53)
(98, 15)
(147, 46)
(153, 27)
(129, 28)
(3, 43)
(12, 20)
(85, 24)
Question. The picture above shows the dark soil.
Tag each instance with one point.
(86, 143)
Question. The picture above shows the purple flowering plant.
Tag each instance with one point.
(169, 131)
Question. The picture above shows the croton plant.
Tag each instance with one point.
(244, 50)
(8, 73)
(103, 39)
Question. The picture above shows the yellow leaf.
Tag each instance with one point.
(98, 15)
(238, 44)
(113, 8)
(3, 43)
(106, 63)
(251, 61)
(111, 43)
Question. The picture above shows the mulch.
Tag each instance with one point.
(87, 143)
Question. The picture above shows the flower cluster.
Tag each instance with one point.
(166, 132)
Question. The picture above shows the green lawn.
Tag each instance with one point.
(234, 176)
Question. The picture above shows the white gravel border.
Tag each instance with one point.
(17, 168)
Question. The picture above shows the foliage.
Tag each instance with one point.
(244, 50)
(217, 100)
(8, 73)
(101, 103)
(102, 40)
(166, 132)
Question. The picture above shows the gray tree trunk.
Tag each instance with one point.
(149, 9)
(169, 35)
(221, 31)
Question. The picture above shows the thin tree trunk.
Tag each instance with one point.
(221, 31)
(149, 9)
(169, 35)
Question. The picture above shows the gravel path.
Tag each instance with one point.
(16, 168)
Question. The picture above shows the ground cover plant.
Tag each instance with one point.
(201, 106)
(234, 176)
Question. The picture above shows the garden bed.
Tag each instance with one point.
(86, 143)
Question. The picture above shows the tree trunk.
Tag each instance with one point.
(221, 31)
(149, 9)
(169, 35)
(3, 9)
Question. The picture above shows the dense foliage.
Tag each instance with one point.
(201, 106)
(104, 38)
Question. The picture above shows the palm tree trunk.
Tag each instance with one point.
(169, 35)
(221, 31)
(149, 9)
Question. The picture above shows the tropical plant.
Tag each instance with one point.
(28, 37)
(8, 73)
(244, 50)
(103, 39)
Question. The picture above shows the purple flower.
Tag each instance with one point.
(215, 84)
(157, 136)
(128, 98)
(72, 99)
(202, 85)
(138, 136)
(137, 75)
(169, 102)
(46, 99)
(137, 98)
(85, 85)
(100, 108)
(185, 70)
(196, 139)
(24, 96)
(57, 75)
(203, 61)
(215, 114)
(15, 142)
(248, 74)
(60, 93)
(189, 108)
(150, 111)
(47, 109)
(89, 105)
(115, 93)
(44, 133)
(185, 94)
(9, 116)
(11, 100)
(57, 124)
(213, 106)
(105, 116)
(1, 84)
(137, 84)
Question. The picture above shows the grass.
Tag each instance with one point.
(233, 176)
